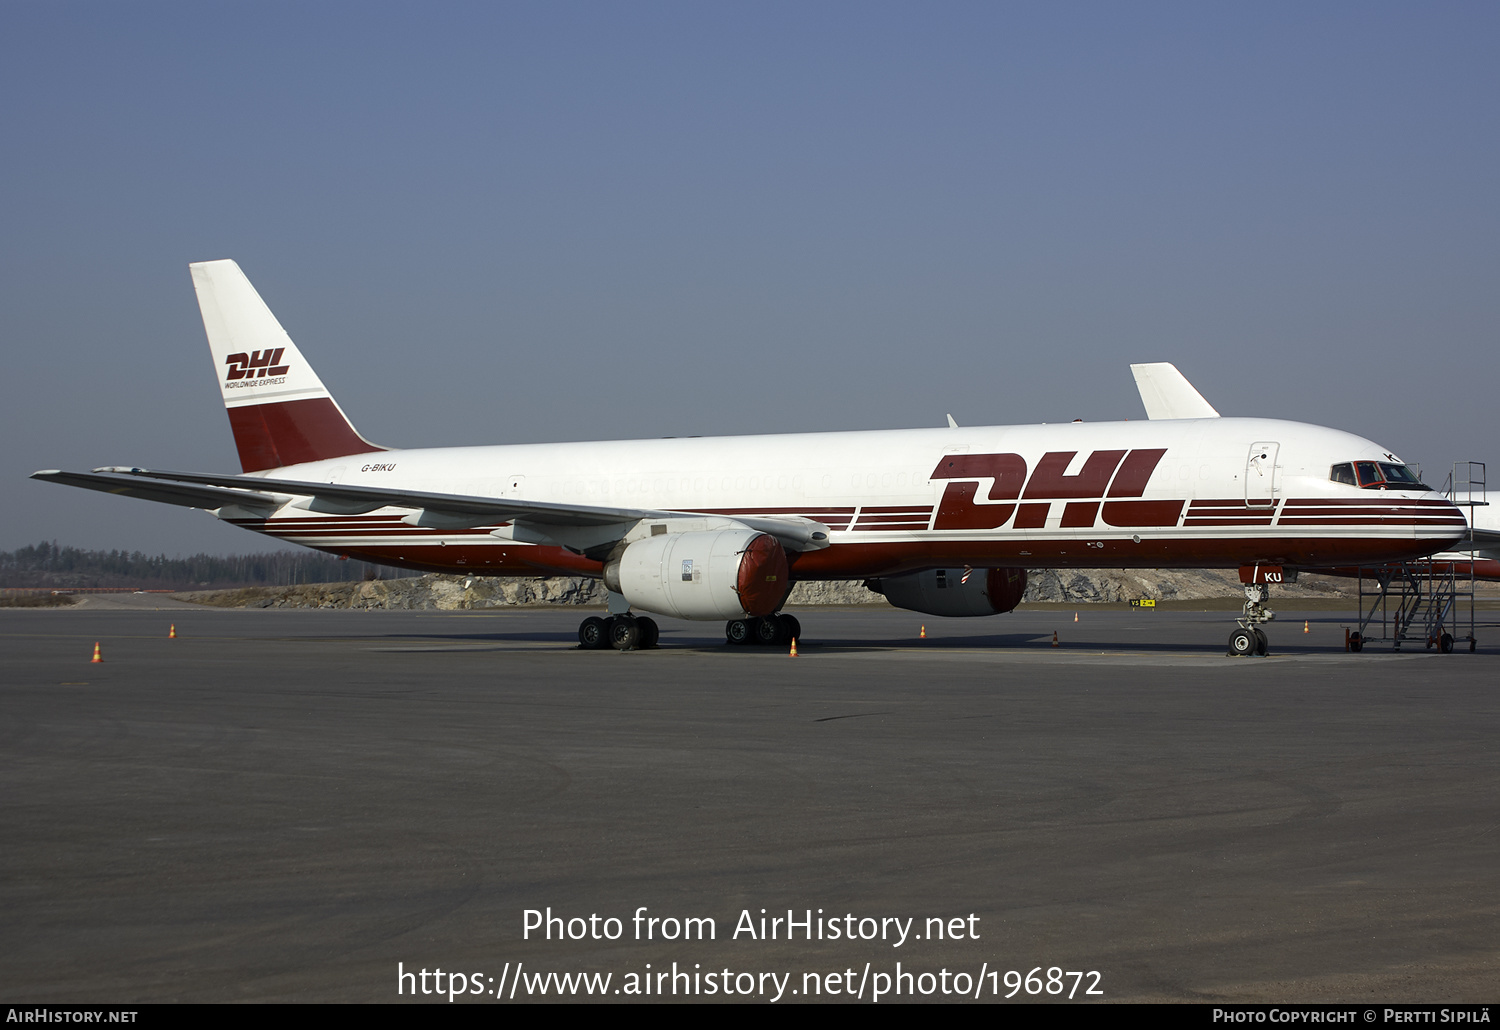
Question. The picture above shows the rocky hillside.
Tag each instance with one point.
(1181, 585)
(451, 593)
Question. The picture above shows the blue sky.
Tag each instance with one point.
(497, 223)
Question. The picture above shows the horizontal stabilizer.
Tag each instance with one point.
(1167, 394)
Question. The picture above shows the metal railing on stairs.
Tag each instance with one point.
(1424, 601)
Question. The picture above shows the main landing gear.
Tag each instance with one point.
(621, 632)
(639, 632)
(1249, 638)
(766, 630)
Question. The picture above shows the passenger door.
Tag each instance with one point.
(1261, 484)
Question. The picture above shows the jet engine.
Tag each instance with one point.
(944, 591)
(714, 574)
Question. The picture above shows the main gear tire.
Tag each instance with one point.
(624, 634)
(593, 634)
(771, 630)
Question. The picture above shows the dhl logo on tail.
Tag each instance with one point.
(258, 365)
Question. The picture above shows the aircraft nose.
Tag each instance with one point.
(1453, 518)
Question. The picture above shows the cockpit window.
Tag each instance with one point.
(1376, 475)
(1401, 476)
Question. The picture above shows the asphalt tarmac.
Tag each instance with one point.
(299, 806)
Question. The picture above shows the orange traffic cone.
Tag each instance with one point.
(1054, 638)
(172, 633)
(1305, 628)
(1075, 616)
(924, 631)
(97, 657)
(794, 647)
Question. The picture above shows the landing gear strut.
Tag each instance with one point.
(1249, 638)
(621, 632)
(767, 630)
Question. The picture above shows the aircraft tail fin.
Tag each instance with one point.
(1166, 393)
(279, 410)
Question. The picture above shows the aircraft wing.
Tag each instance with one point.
(1166, 393)
(1485, 541)
(189, 495)
(203, 490)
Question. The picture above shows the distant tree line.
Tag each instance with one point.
(48, 565)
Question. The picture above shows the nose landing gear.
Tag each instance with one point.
(1249, 638)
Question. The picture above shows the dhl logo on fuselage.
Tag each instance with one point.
(1103, 486)
(259, 365)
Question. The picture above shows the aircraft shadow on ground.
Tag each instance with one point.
(534, 637)
(674, 639)
(997, 642)
(684, 640)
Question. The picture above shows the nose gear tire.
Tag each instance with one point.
(1242, 642)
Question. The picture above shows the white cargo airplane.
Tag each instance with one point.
(942, 521)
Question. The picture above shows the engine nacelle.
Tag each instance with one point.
(715, 574)
(943, 591)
